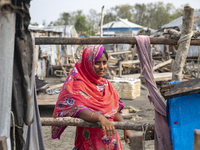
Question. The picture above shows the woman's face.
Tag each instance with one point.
(101, 65)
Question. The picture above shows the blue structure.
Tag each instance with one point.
(121, 27)
(183, 115)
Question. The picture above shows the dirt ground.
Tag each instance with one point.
(66, 142)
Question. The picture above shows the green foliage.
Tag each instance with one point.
(155, 15)
(109, 17)
(124, 11)
(152, 15)
(80, 24)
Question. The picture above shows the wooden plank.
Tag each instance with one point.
(47, 99)
(121, 52)
(180, 89)
(196, 145)
(105, 40)
(157, 76)
(162, 64)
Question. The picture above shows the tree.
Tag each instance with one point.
(124, 11)
(92, 21)
(80, 24)
(108, 17)
(66, 18)
(155, 15)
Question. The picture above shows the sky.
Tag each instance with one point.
(50, 10)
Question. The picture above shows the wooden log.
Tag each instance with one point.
(162, 64)
(68, 121)
(3, 145)
(104, 40)
(136, 141)
(180, 89)
(196, 145)
(182, 52)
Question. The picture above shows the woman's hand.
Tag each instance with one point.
(127, 136)
(95, 117)
(106, 124)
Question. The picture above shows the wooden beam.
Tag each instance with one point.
(105, 40)
(68, 121)
(117, 53)
(180, 89)
(162, 64)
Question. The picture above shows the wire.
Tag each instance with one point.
(145, 127)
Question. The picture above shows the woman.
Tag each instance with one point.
(85, 94)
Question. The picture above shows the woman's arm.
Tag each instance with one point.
(88, 115)
(119, 118)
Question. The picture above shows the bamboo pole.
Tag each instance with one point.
(105, 40)
(181, 55)
(101, 28)
(68, 121)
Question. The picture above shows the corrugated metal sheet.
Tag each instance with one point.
(121, 23)
(7, 39)
(178, 22)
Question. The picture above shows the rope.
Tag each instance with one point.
(185, 37)
(13, 122)
(145, 127)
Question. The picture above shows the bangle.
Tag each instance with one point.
(91, 115)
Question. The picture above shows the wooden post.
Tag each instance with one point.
(188, 21)
(101, 28)
(136, 140)
(196, 145)
(3, 145)
(114, 47)
(105, 40)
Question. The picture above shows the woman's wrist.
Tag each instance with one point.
(100, 117)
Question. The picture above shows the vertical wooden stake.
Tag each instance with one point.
(136, 140)
(196, 145)
(102, 15)
(182, 52)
